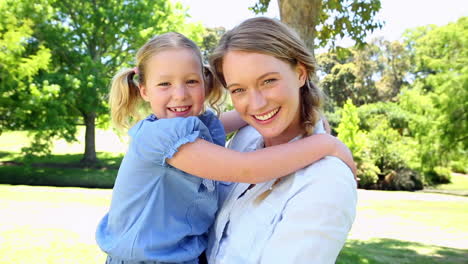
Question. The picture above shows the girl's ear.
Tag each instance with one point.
(301, 74)
(143, 92)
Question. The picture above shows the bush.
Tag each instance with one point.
(440, 175)
(459, 166)
(402, 180)
(367, 174)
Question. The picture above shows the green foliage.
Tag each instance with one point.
(83, 44)
(368, 74)
(352, 18)
(375, 135)
(438, 98)
(357, 141)
(19, 64)
(396, 117)
(443, 174)
(394, 65)
(461, 165)
(210, 40)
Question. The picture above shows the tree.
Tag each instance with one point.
(358, 142)
(89, 41)
(350, 74)
(210, 40)
(395, 61)
(439, 93)
(321, 22)
(19, 63)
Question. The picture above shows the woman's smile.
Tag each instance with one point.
(268, 116)
(265, 92)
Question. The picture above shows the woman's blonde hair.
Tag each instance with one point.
(271, 37)
(125, 100)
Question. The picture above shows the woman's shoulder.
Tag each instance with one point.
(326, 172)
(246, 139)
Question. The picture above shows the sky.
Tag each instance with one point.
(398, 15)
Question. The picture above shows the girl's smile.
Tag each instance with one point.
(180, 111)
(174, 84)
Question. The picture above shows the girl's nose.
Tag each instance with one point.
(180, 92)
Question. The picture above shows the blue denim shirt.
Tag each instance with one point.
(158, 212)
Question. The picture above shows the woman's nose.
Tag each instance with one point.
(257, 101)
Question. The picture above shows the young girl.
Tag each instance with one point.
(160, 212)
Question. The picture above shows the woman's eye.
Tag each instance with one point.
(269, 81)
(237, 90)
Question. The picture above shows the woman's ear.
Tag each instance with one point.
(301, 74)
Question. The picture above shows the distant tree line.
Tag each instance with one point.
(402, 106)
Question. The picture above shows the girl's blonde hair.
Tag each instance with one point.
(125, 100)
(271, 37)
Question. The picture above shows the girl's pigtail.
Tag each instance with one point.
(124, 99)
(214, 90)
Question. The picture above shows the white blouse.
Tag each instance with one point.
(303, 218)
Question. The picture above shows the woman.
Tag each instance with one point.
(306, 216)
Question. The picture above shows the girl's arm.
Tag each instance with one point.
(326, 125)
(231, 121)
(210, 161)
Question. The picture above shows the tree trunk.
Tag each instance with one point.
(89, 157)
(302, 16)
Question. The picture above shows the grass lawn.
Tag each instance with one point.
(458, 186)
(64, 159)
(56, 225)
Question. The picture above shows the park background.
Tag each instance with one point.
(397, 96)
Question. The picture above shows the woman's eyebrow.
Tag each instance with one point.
(265, 74)
(231, 85)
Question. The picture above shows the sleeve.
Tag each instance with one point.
(215, 127)
(316, 221)
(159, 140)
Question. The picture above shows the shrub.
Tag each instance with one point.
(403, 179)
(440, 175)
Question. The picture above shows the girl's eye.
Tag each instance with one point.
(164, 84)
(269, 81)
(192, 81)
(237, 90)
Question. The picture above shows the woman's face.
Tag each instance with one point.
(265, 92)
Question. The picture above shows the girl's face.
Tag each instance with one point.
(174, 84)
(265, 92)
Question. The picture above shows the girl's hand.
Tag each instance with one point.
(342, 152)
(326, 125)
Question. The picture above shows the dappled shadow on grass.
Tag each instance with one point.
(4, 154)
(62, 170)
(106, 161)
(383, 250)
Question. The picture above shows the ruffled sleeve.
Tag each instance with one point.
(215, 127)
(155, 140)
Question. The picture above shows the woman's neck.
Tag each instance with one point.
(284, 137)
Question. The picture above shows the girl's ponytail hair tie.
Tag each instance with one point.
(135, 70)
